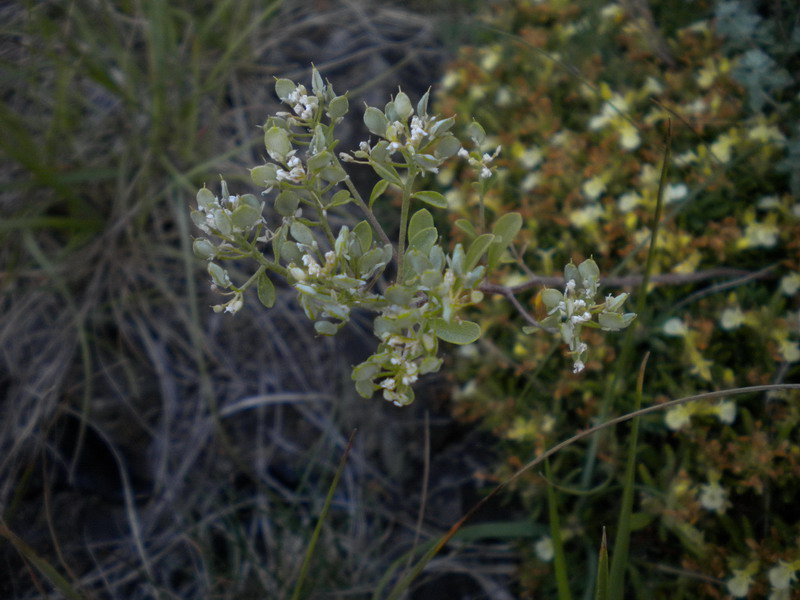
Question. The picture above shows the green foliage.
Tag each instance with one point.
(432, 288)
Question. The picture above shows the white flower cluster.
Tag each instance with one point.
(680, 416)
(781, 577)
(480, 163)
(228, 215)
(296, 172)
(303, 105)
(576, 307)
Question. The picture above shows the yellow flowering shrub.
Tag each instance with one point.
(581, 102)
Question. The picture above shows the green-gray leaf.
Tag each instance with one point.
(375, 121)
(205, 198)
(476, 250)
(286, 203)
(264, 175)
(467, 227)
(447, 147)
(245, 216)
(277, 143)
(424, 240)
(388, 173)
(422, 219)
(461, 333)
(266, 290)
(284, 87)
(377, 191)
(432, 198)
(302, 233)
(338, 107)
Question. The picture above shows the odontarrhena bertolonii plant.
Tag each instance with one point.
(336, 270)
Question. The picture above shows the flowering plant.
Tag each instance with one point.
(337, 271)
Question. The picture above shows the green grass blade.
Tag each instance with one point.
(601, 583)
(622, 544)
(626, 352)
(44, 567)
(559, 560)
(322, 516)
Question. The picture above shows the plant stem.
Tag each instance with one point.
(401, 243)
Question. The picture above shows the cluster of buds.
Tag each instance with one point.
(417, 314)
(576, 308)
(423, 140)
(330, 285)
(480, 163)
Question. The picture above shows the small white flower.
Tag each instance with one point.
(544, 549)
(678, 417)
(235, 305)
(782, 575)
(675, 327)
(592, 188)
(790, 351)
(760, 235)
(714, 497)
(726, 411)
(777, 594)
(731, 318)
(740, 583)
(675, 192)
(790, 284)
(578, 366)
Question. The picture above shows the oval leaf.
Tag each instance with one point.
(432, 198)
(266, 290)
(276, 140)
(375, 121)
(286, 203)
(467, 227)
(461, 333)
(424, 240)
(302, 233)
(476, 250)
(422, 219)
